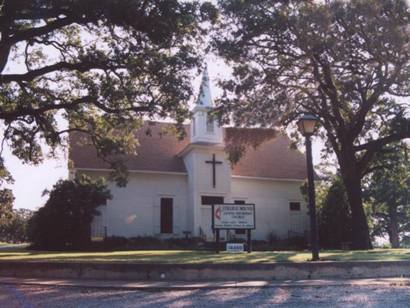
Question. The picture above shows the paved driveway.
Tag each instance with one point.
(336, 296)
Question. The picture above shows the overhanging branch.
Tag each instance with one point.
(379, 143)
(24, 35)
(20, 112)
(372, 147)
(12, 115)
(31, 75)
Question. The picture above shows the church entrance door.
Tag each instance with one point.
(206, 215)
(206, 222)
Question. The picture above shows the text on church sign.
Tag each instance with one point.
(233, 216)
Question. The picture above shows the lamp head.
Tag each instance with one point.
(307, 124)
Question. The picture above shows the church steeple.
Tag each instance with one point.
(204, 127)
(205, 97)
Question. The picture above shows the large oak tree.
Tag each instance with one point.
(347, 62)
(100, 64)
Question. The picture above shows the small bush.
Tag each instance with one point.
(334, 217)
(64, 222)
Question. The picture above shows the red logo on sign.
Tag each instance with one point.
(218, 213)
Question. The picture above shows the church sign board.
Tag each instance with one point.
(233, 216)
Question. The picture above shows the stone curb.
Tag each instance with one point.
(205, 272)
(180, 285)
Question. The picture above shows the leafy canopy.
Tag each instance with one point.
(99, 64)
(347, 62)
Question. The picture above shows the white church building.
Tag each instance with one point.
(173, 183)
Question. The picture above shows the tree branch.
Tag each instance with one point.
(81, 67)
(39, 31)
(372, 147)
(23, 111)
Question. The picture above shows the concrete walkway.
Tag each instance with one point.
(178, 285)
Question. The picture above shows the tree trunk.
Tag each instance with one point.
(393, 229)
(352, 182)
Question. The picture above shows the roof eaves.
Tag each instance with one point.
(192, 146)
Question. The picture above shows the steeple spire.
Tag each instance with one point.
(204, 97)
(204, 127)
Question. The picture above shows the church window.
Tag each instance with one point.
(166, 215)
(98, 228)
(209, 124)
(209, 200)
(294, 206)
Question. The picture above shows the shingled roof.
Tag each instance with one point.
(270, 158)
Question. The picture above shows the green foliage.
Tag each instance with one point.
(333, 212)
(6, 195)
(102, 65)
(237, 141)
(334, 216)
(14, 229)
(6, 204)
(387, 189)
(64, 222)
(346, 62)
(6, 213)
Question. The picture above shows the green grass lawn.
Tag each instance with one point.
(196, 257)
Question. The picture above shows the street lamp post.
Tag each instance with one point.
(307, 125)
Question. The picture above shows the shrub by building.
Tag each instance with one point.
(64, 222)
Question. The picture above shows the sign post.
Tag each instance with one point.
(233, 216)
(249, 241)
(217, 240)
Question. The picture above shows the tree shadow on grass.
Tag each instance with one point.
(199, 257)
(170, 257)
